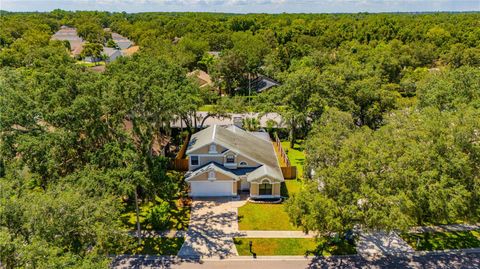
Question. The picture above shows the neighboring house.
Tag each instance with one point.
(263, 83)
(203, 78)
(130, 51)
(224, 161)
(70, 34)
(122, 42)
(110, 53)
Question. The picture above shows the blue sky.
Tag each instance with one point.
(245, 6)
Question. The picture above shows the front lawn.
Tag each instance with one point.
(267, 217)
(296, 155)
(259, 216)
(291, 246)
(443, 240)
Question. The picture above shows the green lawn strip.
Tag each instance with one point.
(156, 246)
(295, 155)
(266, 217)
(206, 108)
(179, 217)
(88, 64)
(291, 246)
(443, 240)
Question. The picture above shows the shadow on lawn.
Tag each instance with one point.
(442, 240)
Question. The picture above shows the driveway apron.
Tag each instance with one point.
(211, 230)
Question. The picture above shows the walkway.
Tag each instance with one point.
(445, 228)
(275, 234)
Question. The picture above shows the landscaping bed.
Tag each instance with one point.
(292, 246)
(157, 246)
(178, 216)
(443, 240)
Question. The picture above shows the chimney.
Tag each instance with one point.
(238, 121)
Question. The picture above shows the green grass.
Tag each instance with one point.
(291, 246)
(179, 217)
(295, 155)
(264, 217)
(259, 216)
(157, 246)
(443, 240)
(206, 108)
(290, 186)
(87, 64)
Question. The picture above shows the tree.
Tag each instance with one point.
(92, 50)
(112, 44)
(393, 178)
(251, 124)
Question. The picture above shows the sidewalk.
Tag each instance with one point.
(274, 234)
(445, 228)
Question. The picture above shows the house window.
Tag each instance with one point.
(230, 159)
(194, 160)
(213, 148)
(243, 163)
(211, 175)
(265, 188)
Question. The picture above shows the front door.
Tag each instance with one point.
(244, 184)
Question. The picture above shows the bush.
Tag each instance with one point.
(159, 216)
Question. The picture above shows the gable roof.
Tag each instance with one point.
(242, 142)
(121, 41)
(263, 83)
(211, 167)
(110, 51)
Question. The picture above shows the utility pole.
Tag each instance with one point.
(249, 92)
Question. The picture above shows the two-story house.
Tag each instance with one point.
(224, 161)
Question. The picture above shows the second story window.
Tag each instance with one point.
(194, 160)
(230, 159)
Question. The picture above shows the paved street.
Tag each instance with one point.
(419, 260)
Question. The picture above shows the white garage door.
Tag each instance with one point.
(207, 188)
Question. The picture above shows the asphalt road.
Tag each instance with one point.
(425, 260)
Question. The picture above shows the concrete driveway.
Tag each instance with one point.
(213, 224)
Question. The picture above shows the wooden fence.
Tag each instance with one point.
(281, 151)
(288, 171)
(180, 163)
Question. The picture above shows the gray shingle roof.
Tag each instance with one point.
(244, 143)
(212, 166)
